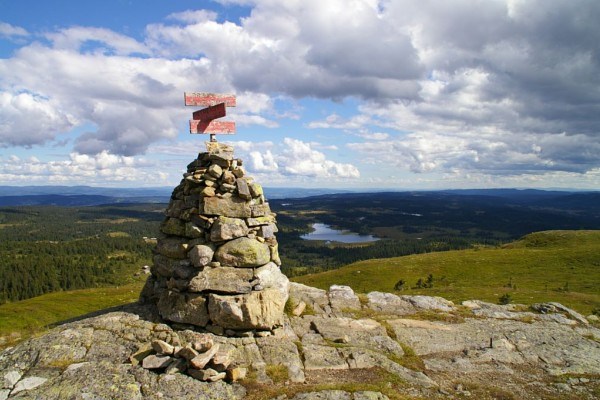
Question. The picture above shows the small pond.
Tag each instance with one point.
(325, 233)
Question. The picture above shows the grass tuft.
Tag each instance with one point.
(278, 373)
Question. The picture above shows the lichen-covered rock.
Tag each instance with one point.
(243, 189)
(102, 357)
(233, 207)
(283, 352)
(255, 310)
(201, 255)
(243, 253)
(342, 298)
(222, 280)
(270, 276)
(173, 226)
(188, 308)
(226, 228)
(389, 303)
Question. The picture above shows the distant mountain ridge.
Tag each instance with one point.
(89, 195)
(82, 190)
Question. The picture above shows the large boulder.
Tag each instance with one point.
(342, 298)
(188, 308)
(270, 276)
(256, 310)
(244, 253)
(389, 303)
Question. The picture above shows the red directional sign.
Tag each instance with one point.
(210, 113)
(212, 127)
(204, 121)
(208, 99)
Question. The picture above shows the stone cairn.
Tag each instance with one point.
(216, 264)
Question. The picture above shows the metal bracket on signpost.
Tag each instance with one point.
(203, 121)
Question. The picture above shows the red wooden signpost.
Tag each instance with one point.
(212, 127)
(208, 99)
(204, 120)
(209, 113)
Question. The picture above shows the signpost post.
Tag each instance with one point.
(204, 120)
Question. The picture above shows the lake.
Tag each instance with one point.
(325, 233)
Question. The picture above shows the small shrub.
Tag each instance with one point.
(424, 284)
(506, 298)
(429, 282)
(400, 285)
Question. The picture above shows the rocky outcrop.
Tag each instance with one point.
(217, 264)
(382, 348)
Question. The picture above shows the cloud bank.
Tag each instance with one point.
(495, 87)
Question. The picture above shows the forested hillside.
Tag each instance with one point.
(46, 249)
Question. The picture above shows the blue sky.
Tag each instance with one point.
(360, 94)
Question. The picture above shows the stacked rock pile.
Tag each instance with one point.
(216, 265)
(201, 360)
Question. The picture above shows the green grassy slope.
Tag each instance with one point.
(561, 266)
(22, 319)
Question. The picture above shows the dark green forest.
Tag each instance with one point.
(45, 249)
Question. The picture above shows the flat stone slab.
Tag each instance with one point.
(361, 332)
(430, 303)
(222, 280)
(277, 352)
(388, 303)
(232, 207)
(323, 357)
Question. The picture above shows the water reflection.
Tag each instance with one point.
(325, 233)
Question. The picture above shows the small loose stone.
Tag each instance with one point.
(202, 359)
(215, 170)
(156, 362)
(208, 192)
(162, 348)
(299, 309)
(236, 374)
(187, 352)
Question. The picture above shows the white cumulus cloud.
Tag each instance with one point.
(82, 169)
